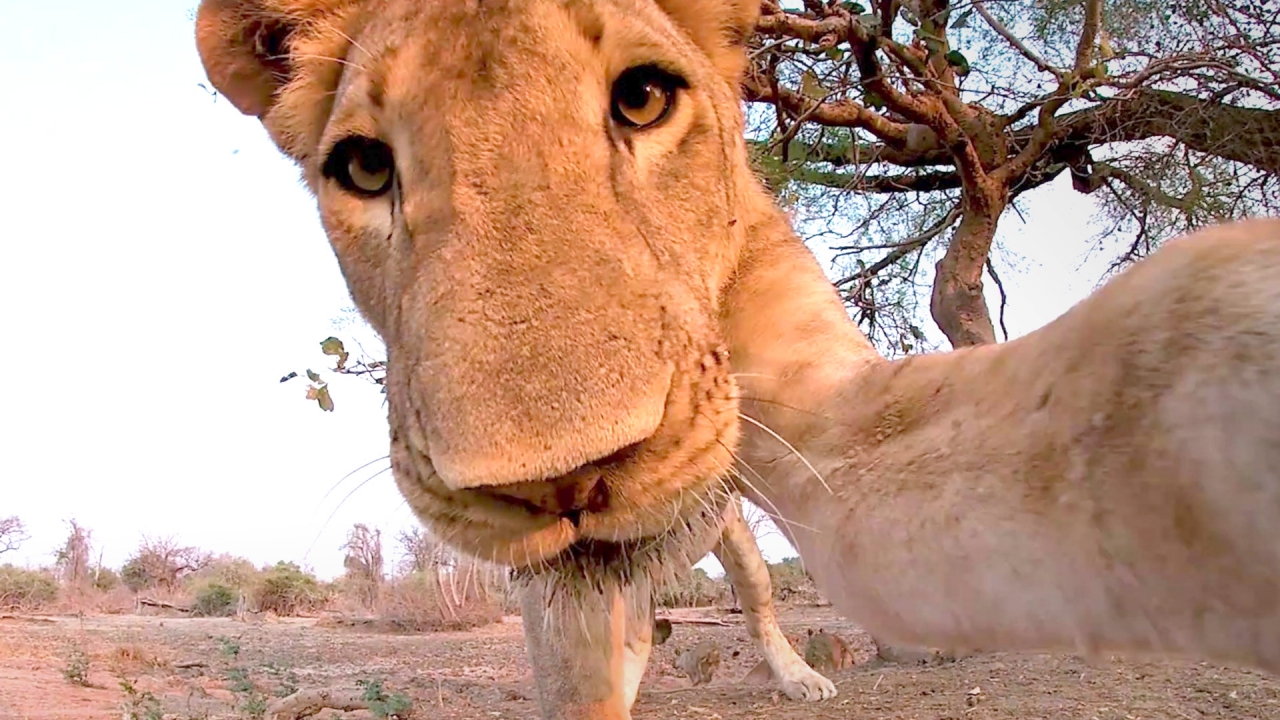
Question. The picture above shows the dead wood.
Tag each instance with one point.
(305, 703)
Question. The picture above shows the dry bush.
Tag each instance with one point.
(792, 584)
(440, 600)
(695, 589)
(119, 600)
(23, 590)
(235, 572)
(132, 659)
(285, 589)
(161, 564)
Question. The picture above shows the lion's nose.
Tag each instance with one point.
(569, 496)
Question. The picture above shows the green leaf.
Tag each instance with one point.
(289, 377)
(333, 346)
(962, 20)
(836, 54)
(323, 399)
(957, 60)
(872, 99)
(312, 376)
(811, 86)
(853, 8)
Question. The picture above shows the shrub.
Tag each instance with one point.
(236, 573)
(105, 579)
(791, 583)
(76, 671)
(26, 590)
(162, 564)
(287, 590)
(417, 602)
(214, 600)
(697, 589)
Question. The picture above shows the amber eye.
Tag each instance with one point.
(361, 165)
(643, 96)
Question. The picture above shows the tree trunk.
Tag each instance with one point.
(957, 304)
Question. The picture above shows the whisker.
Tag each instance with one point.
(779, 404)
(790, 447)
(344, 479)
(736, 473)
(340, 61)
(776, 515)
(354, 490)
(350, 39)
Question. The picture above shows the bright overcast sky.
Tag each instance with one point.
(162, 266)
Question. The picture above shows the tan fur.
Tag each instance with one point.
(557, 295)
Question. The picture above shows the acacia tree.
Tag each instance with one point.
(904, 130)
(72, 559)
(161, 563)
(12, 534)
(363, 562)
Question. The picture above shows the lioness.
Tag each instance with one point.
(546, 210)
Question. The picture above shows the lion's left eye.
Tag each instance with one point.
(361, 165)
(643, 96)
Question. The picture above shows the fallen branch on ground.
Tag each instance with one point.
(698, 621)
(162, 604)
(305, 703)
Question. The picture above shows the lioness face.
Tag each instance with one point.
(533, 203)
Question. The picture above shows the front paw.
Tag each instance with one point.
(801, 682)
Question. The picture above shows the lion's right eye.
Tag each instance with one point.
(643, 96)
(361, 165)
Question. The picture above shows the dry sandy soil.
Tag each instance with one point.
(483, 674)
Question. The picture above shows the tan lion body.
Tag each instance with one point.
(545, 209)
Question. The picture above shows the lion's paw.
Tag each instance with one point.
(801, 682)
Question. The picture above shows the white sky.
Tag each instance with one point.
(161, 266)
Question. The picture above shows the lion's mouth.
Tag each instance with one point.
(651, 498)
(585, 491)
(678, 546)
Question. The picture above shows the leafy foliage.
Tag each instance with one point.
(76, 671)
(25, 590)
(287, 590)
(901, 132)
(382, 705)
(214, 600)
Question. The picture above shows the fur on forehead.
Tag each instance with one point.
(720, 27)
(281, 60)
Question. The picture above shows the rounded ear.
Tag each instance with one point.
(244, 45)
(720, 27)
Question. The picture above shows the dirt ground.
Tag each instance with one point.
(219, 668)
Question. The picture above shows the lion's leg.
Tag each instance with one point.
(742, 561)
(639, 639)
(575, 639)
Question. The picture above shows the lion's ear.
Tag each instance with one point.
(720, 27)
(244, 45)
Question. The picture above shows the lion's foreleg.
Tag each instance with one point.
(745, 566)
(576, 639)
(639, 638)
